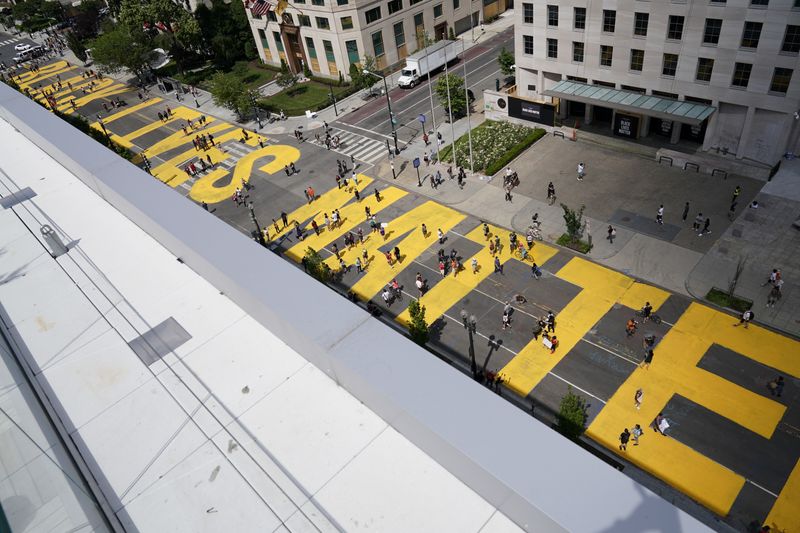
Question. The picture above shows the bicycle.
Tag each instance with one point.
(535, 232)
(654, 318)
(551, 199)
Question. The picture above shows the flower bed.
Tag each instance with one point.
(494, 144)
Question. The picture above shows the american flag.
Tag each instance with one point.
(258, 7)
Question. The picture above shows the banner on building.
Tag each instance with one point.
(533, 111)
(626, 125)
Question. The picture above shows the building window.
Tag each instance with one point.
(318, 2)
(751, 34)
(552, 48)
(670, 65)
(322, 23)
(675, 30)
(712, 31)
(395, 6)
(527, 13)
(437, 11)
(377, 43)
(262, 36)
(278, 42)
(312, 50)
(606, 55)
(300, 2)
(640, 22)
(271, 16)
(758, 3)
(552, 16)
(399, 34)
(456, 4)
(791, 40)
(342, 2)
(781, 78)
(414, 2)
(741, 74)
(719, 1)
(637, 60)
(329, 55)
(527, 45)
(304, 20)
(704, 67)
(419, 24)
(580, 18)
(347, 23)
(352, 51)
(609, 20)
(577, 52)
(373, 14)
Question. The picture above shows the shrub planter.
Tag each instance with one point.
(579, 245)
(723, 299)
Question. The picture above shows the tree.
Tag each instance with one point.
(506, 62)
(285, 78)
(458, 100)
(228, 90)
(451, 34)
(76, 45)
(361, 80)
(574, 221)
(572, 416)
(120, 49)
(315, 266)
(417, 326)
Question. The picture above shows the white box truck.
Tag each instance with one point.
(421, 63)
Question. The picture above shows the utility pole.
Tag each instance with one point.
(469, 123)
(450, 110)
(430, 91)
(259, 233)
(333, 97)
(389, 105)
(470, 324)
(255, 108)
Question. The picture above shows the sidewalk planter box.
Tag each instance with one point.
(723, 299)
(580, 246)
(494, 145)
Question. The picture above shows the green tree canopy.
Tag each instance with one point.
(285, 78)
(574, 221)
(361, 80)
(571, 417)
(226, 33)
(76, 45)
(417, 327)
(119, 48)
(506, 62)
(458, 100)
(228, 90)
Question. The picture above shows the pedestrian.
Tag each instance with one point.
(538, 327)
(308, 198)
(612, 233)
(425, 138)
(491, 247)
(315, 226)
(659, 423)
(285, 219)
(424, 230)
(365, 256)
(776, 386)
(442, 269)
(581, 171)
(474, 265)
(275, 225)
(440, 236)
(636, 433)
(426, 158)
(736, 192)
(660, 214)
(773, 276)
(358, 266)
(732, 211)
(508, 197)
(360, 233)
(211, 139)
(368, 212)
(623, 439)
(647, 310)
(536, 272)
(774, 296)
(382, 231)
(637, 398)
(506, 321)
(697, 221)
(261, 142)
(420, 283)
(553, 344)
(335, 250)
(205, 205)
(160, 116)
(287, 170)
(745, 318)
(294, 168)
(551, 322)
(706, 226)
(485, 230)
(647, 359)
(498, 267)
(454, 266)
(357, 195)
(397, 253)
(377, 195)
(685, 211)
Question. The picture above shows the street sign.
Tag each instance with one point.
(421, 118)
(416, 162)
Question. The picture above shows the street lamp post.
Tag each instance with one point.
(470, 324)
(255, 108)
(259, 233)
(389, 104)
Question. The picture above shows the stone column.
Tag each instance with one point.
(587, 119)
(644, 127)
(676, 132)
(744, 138)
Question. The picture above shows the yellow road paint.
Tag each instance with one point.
(452, 289)
(284, 155)
(785, 513)
(51, 70)
(106, 88)
(674, 371)
(325, 203)
(602, 288)
(178, 139)
(132, 109)
(205, 188)
(352, 215)
(172, 173)
(379, 272)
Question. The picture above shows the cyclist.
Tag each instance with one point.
(551, 192)
(630, 328)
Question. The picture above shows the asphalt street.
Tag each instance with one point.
(7, 44)
(408, 104)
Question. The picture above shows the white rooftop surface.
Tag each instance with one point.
(232, 431)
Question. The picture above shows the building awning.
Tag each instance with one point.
(654, 106)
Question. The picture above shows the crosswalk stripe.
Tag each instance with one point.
(357, 146)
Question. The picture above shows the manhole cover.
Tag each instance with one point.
(626, 219)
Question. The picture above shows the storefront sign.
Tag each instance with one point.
(626, 126)
(533, 111)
